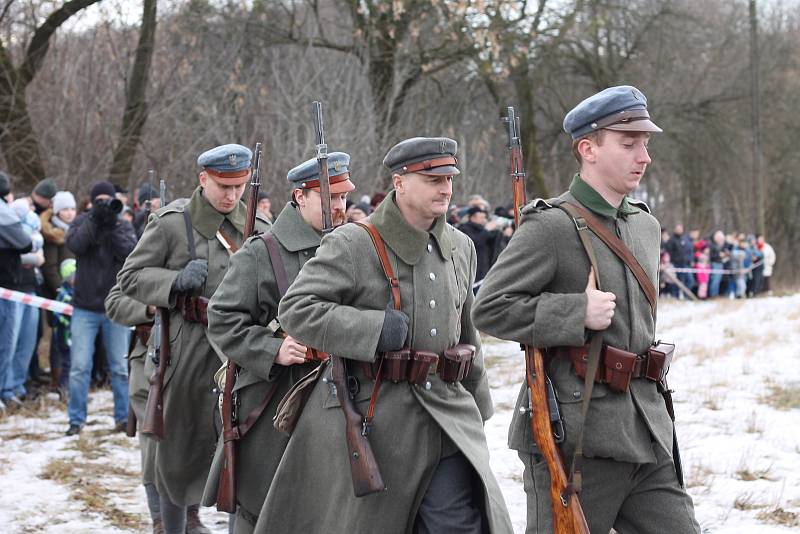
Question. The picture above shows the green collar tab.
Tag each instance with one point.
(586, 195)
(408, 242)
(293, 231)
(207, 220)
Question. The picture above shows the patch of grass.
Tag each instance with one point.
(59, 470)
(749, 474)
(745, 502)
(781, 397)
(699, 475)
(779, 516)
(752, 424)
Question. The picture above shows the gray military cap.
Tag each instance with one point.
(306, 175)
(435, 156)
(617, 108)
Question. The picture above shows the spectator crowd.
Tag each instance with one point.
(57, 248)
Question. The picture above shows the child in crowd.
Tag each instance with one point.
(703, 274)
(61, 330)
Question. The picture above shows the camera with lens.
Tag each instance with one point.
(114, 204)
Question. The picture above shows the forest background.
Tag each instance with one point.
(109, 89)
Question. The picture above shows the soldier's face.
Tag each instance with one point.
(222, 197)
(428, 197)
(620, 161)
(309, 202)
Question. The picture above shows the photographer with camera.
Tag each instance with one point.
(101, 241)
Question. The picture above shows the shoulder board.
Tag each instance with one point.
(263, 219)
(639, 204)
(536, 205)
(176, 206)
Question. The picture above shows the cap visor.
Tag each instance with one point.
(446, 170)
(642, 125)
(345, 186)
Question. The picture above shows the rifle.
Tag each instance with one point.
(568, 515)
(226, 488)
(153, 423)
(148, 204)
(130, 425)
(162, 187)
(363, 465)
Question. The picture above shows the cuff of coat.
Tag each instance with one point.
(156, 287)
(266, 367)
(355, 338)
(560, 320)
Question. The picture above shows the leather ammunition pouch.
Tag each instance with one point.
(618, 367)
(414, 366)
(193, 309)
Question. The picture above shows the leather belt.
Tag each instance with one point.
(142, 332)
(193, 309)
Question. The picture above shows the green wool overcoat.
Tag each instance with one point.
(183, 457)
(337, 305)
(535, 295)
(129, 312)
(241, 310)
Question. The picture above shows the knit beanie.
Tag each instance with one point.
(102, 188)
(146, 192)
(62, 201)
(68, 268)
(47, 188)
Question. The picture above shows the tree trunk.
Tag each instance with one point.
(136, 108)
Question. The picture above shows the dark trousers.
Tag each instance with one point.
(452, 503)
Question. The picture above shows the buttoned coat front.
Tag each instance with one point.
(183, 457)
(240, 324)
(337, 304)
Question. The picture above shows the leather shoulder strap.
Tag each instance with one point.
(584, 219)
(274, 253)
(189, 235)
(380, 248)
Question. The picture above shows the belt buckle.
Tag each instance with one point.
(580, 223)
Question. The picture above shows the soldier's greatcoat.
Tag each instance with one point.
(183, 457)
(337, 305)
(240, 314)
(535, 295)
(129, 312)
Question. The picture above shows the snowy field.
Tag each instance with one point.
(737, 392)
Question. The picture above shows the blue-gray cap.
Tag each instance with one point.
(617, 108)
(435, 156)
(306, 175)
(227, 164)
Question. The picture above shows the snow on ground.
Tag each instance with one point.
(736, 378)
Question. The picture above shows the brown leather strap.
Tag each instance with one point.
(239, 431)
(429, 164)
(229, 243)
(311, 184)
(380, 248)
(278, 269)
(580, 214)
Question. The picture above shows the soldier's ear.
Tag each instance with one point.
(203, 179)
(587, 148)
(398, 183)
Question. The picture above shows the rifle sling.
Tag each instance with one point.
(584, 219)
(227, 241)
(189, 235)
(239, 431)
(274, 253)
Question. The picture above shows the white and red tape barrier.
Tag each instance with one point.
(38, 302)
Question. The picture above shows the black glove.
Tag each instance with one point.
(192, 276)
(102, 214)
(394, 330)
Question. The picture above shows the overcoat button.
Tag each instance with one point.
(433, 332)
(430, 248)
(432, 304)
(432, 276)
(576, 394)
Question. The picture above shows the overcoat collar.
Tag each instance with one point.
(293, 232)
(586, 195)
(407, 241)
(207, 220)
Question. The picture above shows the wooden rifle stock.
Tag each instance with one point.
(364, 469)
(226, 487)
(568, 515)
(153, 423)
(130, 425)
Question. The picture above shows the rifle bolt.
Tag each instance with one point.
(428, 385)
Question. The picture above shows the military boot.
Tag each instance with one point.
(193, 523)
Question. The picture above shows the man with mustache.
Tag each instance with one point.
(424, 413)
(269, 361)
(177, 265)
(561, 288)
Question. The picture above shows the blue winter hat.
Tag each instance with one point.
(617, 108)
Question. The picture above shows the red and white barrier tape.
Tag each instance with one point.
(38, 302)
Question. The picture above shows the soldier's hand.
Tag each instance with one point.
(394, 330)
(291, 352)
(599, 306)
(192, 276)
